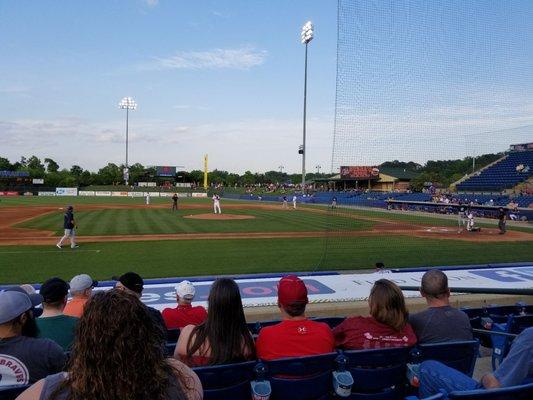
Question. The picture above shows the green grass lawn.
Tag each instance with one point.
(157, 221)
(214, 257)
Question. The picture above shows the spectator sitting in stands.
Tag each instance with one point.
(295, 335)
(224, 336)
(184, 314)
(116, 355)
(440, 322)
(24, 359)
(81, 288)
(516, 369)
(53, 324)
(133, 283)
(387, 325)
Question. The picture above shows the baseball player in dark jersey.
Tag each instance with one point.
(175, 202)
(69, 224)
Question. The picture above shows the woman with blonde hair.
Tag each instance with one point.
(117, 354)
(386, 326)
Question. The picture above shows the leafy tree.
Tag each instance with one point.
(5, 165)
(76, 170)
(51, 165)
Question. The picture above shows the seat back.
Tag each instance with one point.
(331, 321)
(12, 392)
(521, 392)
(301, 378)
(173, 335)
(229, 381)
(378, 373)
(460, 355)
(517, 323)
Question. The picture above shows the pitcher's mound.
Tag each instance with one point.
(224, 217)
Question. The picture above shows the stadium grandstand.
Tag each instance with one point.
(514, 168)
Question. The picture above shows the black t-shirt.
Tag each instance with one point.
(68, 220)
(175, 199)
(501, 215)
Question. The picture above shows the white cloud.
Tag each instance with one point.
(151, 3)
(239, 58)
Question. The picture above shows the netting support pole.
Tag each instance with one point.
(305, 113)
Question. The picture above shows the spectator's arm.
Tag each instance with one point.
(33, 392)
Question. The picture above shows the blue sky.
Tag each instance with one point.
(226, 78)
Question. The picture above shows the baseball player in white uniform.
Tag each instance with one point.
(294, 198)
(216, 204)
(147, 198)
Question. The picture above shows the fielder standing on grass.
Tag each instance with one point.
(69, 224)
(175, 202)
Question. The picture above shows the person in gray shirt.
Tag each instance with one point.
(24, 359)
(440, 322)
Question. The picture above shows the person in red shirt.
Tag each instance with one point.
(184, 314)
(295, 335)
(386, 326)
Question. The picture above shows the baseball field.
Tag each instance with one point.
(121, 234)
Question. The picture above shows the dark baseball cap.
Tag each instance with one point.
(132, 281)
(54, 289)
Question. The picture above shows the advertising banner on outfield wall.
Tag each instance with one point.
(102, 193)
(199, 195)
(166, 194)
(155, 194)
(37, 181)
(135, 194)
(46, 193)
(9, 193)
(86, 193)
(119, 194)
(147, 184)
(65, 191)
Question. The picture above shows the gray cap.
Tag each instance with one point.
(13, 304)
(82, 282)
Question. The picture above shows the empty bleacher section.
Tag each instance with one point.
(511, 170)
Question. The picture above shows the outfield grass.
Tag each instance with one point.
(215, 257)
(136, 221)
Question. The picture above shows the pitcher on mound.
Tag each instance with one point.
(216, 204)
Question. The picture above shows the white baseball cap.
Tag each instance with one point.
(185, 289)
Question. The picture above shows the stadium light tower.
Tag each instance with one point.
(307, 36)
(127, 103)
(318, 168)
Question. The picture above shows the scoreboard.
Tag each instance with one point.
(165, 171)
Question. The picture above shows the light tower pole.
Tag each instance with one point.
(281, 169)
(318, 169)
(307, 36)
(127, 103)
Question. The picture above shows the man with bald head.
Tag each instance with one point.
(440, 322)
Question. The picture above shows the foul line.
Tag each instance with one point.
(51, 251)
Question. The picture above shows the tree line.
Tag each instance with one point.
(441, 173)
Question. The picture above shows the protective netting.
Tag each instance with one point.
(424, 80)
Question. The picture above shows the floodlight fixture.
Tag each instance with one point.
(307, 32)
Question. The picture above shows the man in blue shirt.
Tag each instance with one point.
(516, 368)
(70, 228)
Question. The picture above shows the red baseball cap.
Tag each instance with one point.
(291, 289)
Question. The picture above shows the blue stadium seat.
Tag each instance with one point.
(379, 374)
(255, 327)
(12, 392)
(460, 355)
(438, 396)
(301, 378)
(229, 381)
(521, 392)
(331, 321)
(173, 335)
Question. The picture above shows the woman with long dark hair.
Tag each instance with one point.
(117, 354)
(224, 337)
(386, 326)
